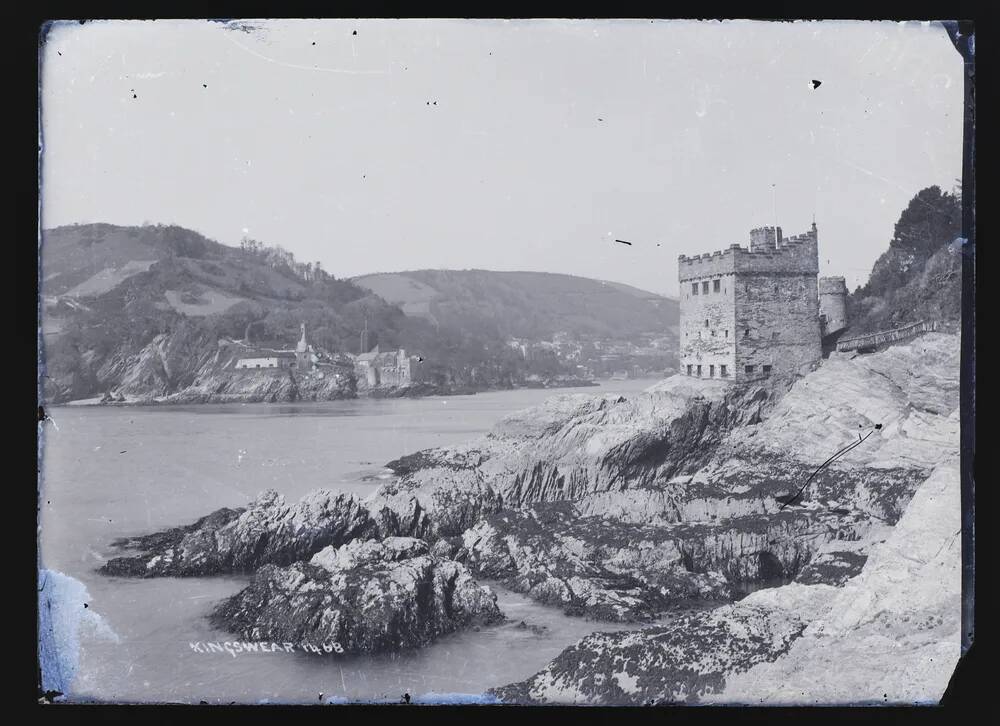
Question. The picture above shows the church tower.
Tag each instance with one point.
(303, 352)
(369, 339)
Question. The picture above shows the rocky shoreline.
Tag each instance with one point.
(285, 388)
(617, 509)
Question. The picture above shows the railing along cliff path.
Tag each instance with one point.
(872, 340)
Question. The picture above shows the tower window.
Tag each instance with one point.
(711, 371)
(689, 369)
(699, 371)
(723, 372)
(704, 287)
(774, 335)
(706, 323)
(748, 369)
(727, 333)
(716, 284)
(694, 288)
(767, 370)
(746, 333)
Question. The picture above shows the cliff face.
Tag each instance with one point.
(190, 366)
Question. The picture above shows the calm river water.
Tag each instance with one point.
(109, 472)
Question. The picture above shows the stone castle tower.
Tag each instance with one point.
(748, 313)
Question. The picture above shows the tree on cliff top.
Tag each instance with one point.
(919, 276)
(932, 218)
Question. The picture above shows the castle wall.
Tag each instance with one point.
(777, 323)
(708, 326)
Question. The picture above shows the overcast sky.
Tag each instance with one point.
(388, 145)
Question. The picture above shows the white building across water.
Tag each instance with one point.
(303, 358)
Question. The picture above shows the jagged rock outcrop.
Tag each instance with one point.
(890, 634)
(365, 596)
(269, 531)
(444, 507)
(578, 444)
(621, 571)
(735, 442)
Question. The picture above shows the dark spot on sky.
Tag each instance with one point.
(621, 241)
(435, 103)
(600, 119)
(314, 42)
(86, 605)
(816, 84)
(354, 32)
(204, 85)
(59, 52)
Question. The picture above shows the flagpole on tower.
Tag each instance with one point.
(774, 209)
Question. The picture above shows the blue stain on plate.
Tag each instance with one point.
(64, 615)
(446, 699)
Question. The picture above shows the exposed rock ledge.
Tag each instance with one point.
(891, 634)
(366, 596)
(269, 531)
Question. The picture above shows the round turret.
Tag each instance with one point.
(832, 304)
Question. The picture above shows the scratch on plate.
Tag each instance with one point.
(301, 67)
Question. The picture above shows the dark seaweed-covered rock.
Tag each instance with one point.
(366, 596)
(269, 531)
(607, 569)
(834, 567)
(680, 662)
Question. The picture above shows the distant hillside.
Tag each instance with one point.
(532, 305)
(148, 306)
(154, 311)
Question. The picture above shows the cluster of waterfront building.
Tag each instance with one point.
(372, 366)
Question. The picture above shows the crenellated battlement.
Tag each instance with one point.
(769, 252)
(832, 286)
(754, 311)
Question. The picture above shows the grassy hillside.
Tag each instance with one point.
(108, 291)
(532, 305)
(150, 306)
